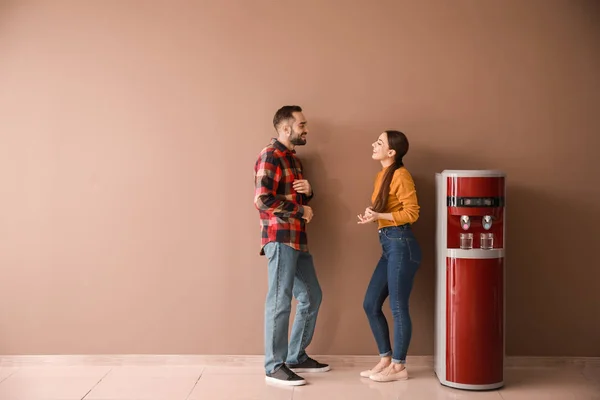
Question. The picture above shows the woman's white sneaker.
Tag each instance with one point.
(390, 375)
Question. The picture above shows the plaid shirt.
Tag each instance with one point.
(279, 206)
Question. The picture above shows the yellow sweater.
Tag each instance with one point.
(402, 200)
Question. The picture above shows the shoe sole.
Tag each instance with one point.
(309, 370)
(284, 383)
(368, 374)
(390, 380)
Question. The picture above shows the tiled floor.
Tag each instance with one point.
(247, 383)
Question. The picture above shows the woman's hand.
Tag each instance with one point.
(370, 213)
(364, 220)
(368, 216)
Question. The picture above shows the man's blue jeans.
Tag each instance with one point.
(291, 272)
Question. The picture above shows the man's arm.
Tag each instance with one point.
(311, 195)
(305, 188)
(267, 177)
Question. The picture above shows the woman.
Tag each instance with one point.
(395, 208)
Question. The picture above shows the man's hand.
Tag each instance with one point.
(308, 213)
(302, 186)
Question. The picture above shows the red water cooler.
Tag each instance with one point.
(470, 273)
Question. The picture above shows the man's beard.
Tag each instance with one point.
(298, 140)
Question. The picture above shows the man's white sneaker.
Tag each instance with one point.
(283, 376)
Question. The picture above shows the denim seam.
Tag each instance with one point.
(379, 322)
(410, 250)
(304, 327)
(381, 299)
(399, 316)
(278, 280)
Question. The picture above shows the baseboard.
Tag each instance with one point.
(533, 362)
(257, 360)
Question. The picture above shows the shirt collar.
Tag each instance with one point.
(281, 147)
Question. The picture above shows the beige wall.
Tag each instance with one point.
(128, 134)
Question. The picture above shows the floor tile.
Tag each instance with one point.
(592, 373)
(5, 372)
(238, 387)
(348, 385)
(46, 387)
(549, 384)
(157, 371)
(255, 370)
(239, 382)
(140, 387)
(61, 372)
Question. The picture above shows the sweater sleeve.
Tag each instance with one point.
(404, 189)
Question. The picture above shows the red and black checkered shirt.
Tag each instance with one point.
(279, 205)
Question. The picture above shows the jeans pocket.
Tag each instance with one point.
(414, 250)
(270, 250)
(393, 234)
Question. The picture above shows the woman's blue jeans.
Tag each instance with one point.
(393, 277)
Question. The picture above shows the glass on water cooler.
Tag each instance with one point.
(466, 241)
(487, 241)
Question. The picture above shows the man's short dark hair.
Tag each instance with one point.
(285, 113)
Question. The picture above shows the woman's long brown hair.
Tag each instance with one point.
(398, 142)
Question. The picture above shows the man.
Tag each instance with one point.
(281, 196)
